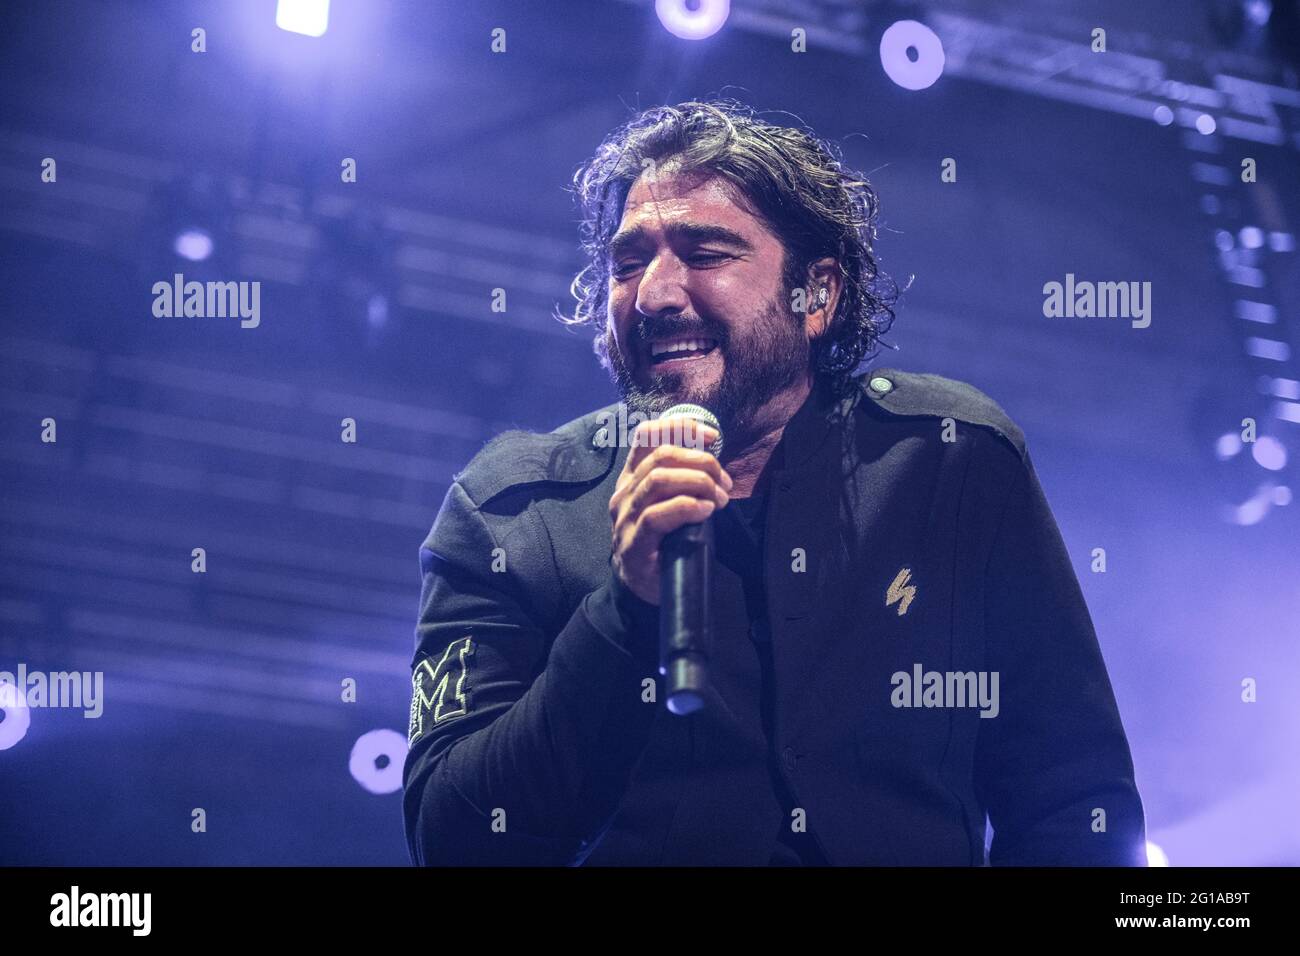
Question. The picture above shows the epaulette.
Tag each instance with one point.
(920, 395)
(567, 454)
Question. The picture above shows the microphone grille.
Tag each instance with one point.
(702, 415)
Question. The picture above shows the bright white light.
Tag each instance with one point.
(1269, 453)
(376, 760)
(903, 41)
(1252, 237)
(1255, 508)
(1228, 446)
(1259, 11)
(1163, 115)
(193, 244)
(308, 17)
(17, 715)
(1156, 856)
(1205, 124)
(693, 19)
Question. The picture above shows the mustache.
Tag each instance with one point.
(658, 328)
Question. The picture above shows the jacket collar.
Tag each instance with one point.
(808, 428)
(803, 436)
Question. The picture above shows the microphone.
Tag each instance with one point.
(685, 596)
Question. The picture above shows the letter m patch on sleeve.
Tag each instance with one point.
(438, 690)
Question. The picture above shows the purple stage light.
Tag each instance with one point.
(1269, 453)
(376, 761)
(1156, 856)
(308, 17)
(1228, 446)
(911, 54)
(693, 19)
(193, 244)
(17, 715)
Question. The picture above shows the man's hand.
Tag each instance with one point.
(665, 484)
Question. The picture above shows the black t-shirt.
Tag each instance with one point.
(738, 536)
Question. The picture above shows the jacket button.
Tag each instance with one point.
(789, 759)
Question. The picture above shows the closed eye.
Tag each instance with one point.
(622, 270)
(708, 258)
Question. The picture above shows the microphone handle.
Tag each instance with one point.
(686, 614)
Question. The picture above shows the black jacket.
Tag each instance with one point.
(906, 534)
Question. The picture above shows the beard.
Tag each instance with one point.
(761, 358)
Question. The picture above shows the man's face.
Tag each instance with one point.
(698, 310)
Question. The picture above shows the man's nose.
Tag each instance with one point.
(663, 286)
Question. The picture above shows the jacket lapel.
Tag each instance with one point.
(804, 554)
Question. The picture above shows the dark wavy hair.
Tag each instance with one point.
(795, 183)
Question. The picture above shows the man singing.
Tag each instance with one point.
(900, 648)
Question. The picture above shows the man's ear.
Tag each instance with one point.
(825, 284)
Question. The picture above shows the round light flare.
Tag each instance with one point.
(17, 715)
(193, 244)
(376, 761)
(912, 54)
(693, 19)
(1256, 508)
(1205, 124)
(1269, 453)
(1163, 115)
(1252, 237)
(1156, 856)
(1228, 446)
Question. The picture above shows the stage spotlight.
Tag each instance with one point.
(1252, 494)
(693, 19)
(1255, 508)
(189, 221)
(376, 761)
(1252, 237)
(1156, 856)
(15, 715)
(193, 244)
(1269, 453)
(308, 17)
(1249, 457)
(911, 54)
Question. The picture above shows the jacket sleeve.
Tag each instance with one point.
(1056, 753)
(520, 752)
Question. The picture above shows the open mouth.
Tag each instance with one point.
(668, 351)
